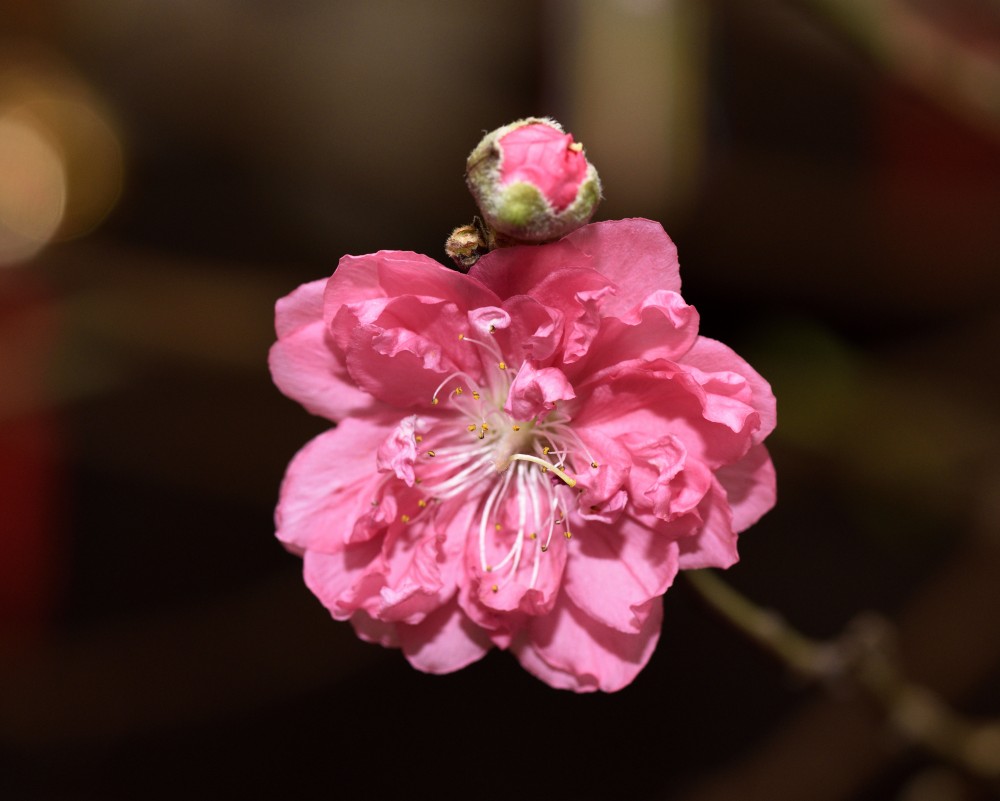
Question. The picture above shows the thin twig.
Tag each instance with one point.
(864, 657)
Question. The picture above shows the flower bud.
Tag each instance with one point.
(532, 182)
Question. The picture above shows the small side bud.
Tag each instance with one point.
(532, 182)
(467, 244)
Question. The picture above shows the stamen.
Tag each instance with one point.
(524, 457)
(502, 365)
(456, 374)
(498, 491)
(568, 534)
(431, 454)
(422, 503)
(405, 518)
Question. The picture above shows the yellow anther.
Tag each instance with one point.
(422, 503)
(497, 526)
(545, 548)
(594, 465)
(545, 450)
(568, 534)
(471, 427)
(485, 426)
(495, 588)
(475, 394)
(502, 365)
(576, 147)
(459, 390)
(431, 454)
(461, 336)
(493, 329)
(405, 518)
(434, 401)
(489, 568)
(418, 438)
(533, 536)
(517, 428)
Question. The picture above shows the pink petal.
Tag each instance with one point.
(655, 400)
(714, 545)
(299, 308)
(338, 578)
(662, 327)
(570, 651)
(636, 254)
(302, 363)
(711, 356)
(393, 273)
(398, 452)
(535, 330)
(614, 572)
(329, 484)
(573, 295)
(750, 487)
(412, 584)
(375, 631)
(446, 640)
(535, 391)
(402, 358)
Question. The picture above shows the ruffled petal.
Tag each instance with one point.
(659, 399)
(663, 326)
(710, 356)
(445, 641)
(332, 483)
(339, 578)
(714, 544)
(636, 254)
(535, 391)
(394, 273)
(375, 631)
(750, 486)
(614, 572)
(570, 651)
(303, 364)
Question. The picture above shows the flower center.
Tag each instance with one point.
(517, 468)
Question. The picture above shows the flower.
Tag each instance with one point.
(525, 456)
(532, 182)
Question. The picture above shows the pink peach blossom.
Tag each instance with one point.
(525, 456)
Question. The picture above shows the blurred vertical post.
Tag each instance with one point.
(629, 78)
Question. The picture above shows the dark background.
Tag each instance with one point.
(831, 174)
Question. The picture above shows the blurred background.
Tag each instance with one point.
(830, 170)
